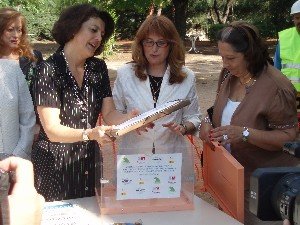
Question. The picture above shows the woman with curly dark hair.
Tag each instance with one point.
(72, 89)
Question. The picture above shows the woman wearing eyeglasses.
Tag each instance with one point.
(155, 76)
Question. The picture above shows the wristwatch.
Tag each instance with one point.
(85, 136)
(246, 134)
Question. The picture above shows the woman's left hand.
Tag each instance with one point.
(175, 127)
(227, 134)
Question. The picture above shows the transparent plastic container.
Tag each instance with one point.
(163, 181)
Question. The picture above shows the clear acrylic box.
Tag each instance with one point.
(136, 182)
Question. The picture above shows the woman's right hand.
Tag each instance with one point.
(98, 134)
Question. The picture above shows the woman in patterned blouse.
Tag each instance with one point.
(71, 90)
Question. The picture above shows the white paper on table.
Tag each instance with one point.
(142, 176)
(64, 213)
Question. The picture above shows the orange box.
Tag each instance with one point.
(223, 178)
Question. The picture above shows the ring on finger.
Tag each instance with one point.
(225, 137)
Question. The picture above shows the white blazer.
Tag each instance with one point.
(129, 93)
(17, 117)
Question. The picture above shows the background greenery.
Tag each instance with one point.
(270, 16)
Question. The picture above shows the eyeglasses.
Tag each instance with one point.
(159, 43)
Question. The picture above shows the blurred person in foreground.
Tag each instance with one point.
(71, 90)
(23, 205)
(155, 76)
(254, 113)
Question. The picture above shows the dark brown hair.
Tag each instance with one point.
(159, 25)
(8, 16)
(71, 20)
(244, 38)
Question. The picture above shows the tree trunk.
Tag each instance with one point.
(220, 13)
(180, 16)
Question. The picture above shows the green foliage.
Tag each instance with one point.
(197, 15)
(4, 3)
(265, 27)
(270, 16)
(128, 23)
(132, 13)
(109, 46)
(280, 14)
(139, 6)
(40, 16)
(40, 22)
(213, 30)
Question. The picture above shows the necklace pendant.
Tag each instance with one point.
(153, 148)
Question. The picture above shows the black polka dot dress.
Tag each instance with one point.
(67, 170)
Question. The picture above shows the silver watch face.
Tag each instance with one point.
(246, 133)
(85, 137)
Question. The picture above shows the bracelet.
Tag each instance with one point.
(185, 128)
(207, 120)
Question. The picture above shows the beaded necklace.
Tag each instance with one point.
(244, 83)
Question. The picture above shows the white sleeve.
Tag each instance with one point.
(118, 94)
(191, 112)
